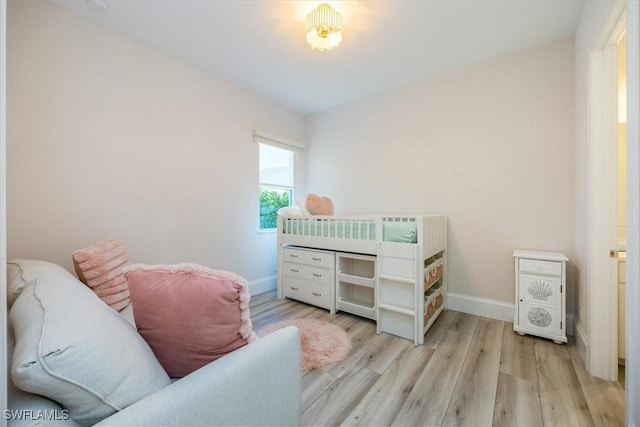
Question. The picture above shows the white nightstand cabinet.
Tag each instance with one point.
(541, 294)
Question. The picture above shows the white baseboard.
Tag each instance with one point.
(570, 324)
(493, 309)
(582, 342)
(484, 307)
(260, 286)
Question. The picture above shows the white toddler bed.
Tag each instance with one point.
(390, 268)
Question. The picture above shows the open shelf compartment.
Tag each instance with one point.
(356, 280)
(357, 266)
(360, 308)
(355, 284)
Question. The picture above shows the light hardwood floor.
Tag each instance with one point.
(472, 371)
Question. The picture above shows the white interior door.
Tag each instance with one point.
(632, 381)
(603, 156)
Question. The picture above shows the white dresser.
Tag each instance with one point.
(308, 275)
(540, 294)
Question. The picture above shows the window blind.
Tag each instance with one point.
(276, 140)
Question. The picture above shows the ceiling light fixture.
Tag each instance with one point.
(324, 28)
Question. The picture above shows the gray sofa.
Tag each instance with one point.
(104, 374)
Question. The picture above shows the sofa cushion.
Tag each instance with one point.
(15, 282)
(27, 409)
(189, 314)
(100, 267)
(73, 349)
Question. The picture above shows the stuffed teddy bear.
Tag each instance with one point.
(319, 205)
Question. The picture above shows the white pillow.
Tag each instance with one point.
(74, 349)
(302, 205)
(290, 210)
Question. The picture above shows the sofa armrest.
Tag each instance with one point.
(258, 384)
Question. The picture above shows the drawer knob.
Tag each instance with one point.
(316, 294)
(317, 275)
(316, 259)
(293, 255)
(295, 270)
(295, 289)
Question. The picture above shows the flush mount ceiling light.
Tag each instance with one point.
(324, 28)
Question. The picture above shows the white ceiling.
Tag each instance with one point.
(260, 44)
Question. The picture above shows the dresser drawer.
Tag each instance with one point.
(313, 258)
(307, 291)
(541, 267)
(302, 271)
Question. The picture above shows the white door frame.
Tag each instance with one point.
(602, 359)
(3, 204)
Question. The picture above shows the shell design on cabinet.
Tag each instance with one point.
(539, 290)
(539, 317)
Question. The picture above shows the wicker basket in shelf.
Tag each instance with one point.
(430, 309)
(432, 277)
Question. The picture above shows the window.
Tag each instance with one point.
(277, 176)
(276, 183)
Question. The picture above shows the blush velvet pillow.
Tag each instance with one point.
(100, 267)
(319, 205)
(189, 315)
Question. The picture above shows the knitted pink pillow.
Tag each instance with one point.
(100, 267)
(188, 314)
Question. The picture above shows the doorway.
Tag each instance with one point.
(602, 352)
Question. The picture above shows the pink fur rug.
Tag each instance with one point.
(322, 343)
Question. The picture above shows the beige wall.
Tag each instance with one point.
(107, 136)
(110, 137)
(490, 146)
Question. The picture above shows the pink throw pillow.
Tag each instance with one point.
(100, 267)
(189, 315)
(319, 205)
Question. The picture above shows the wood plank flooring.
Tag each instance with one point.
(472, 371)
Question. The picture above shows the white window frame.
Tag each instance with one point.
(262, 137)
